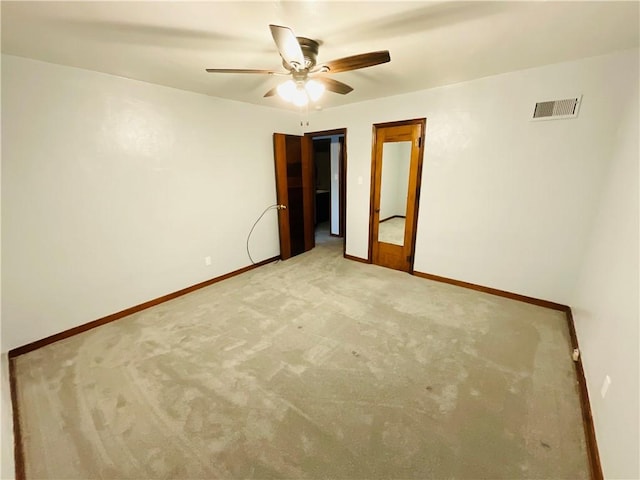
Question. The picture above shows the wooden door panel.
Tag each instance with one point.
(391, 256)
(293, 189)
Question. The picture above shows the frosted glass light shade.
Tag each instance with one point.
(300, 98)
(287, 90)
(314, 89)
(299, 93)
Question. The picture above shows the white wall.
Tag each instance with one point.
(505, 202)
(114, 191)
(605, 302)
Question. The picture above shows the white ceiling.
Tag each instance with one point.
(431, 43)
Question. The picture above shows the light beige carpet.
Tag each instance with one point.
(392, 231)
(317, 367)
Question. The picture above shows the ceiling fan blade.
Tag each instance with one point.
(358, 61)
(334, 85)
(241, 70)
(288, 46)
(271, 92)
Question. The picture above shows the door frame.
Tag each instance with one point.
(414, 221)
(307, 145)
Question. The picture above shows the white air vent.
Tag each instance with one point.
(557, 109)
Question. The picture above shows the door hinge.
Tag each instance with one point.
(419, 142)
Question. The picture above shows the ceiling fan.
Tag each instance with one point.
(299, 56)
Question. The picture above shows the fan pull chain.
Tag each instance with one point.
(304, 115)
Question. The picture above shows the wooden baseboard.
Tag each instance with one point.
(131, 310)
(391, 217)
(355, 259)
(494, 291)
(18, 452)
(587, 417)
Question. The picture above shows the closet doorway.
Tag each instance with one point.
(297, 188)
(396, 170)
(328, 160)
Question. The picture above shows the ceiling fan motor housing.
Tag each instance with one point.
(309, 51)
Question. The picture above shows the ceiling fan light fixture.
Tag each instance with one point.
(299, 57)
(287, 90)
(293, 92)
(314, 89)
(300, 97)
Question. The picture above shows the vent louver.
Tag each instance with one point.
(557, 109)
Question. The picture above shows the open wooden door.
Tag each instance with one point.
(294, 190)
(396, 172)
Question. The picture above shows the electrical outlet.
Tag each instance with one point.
(605, 385)
(207, 261)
